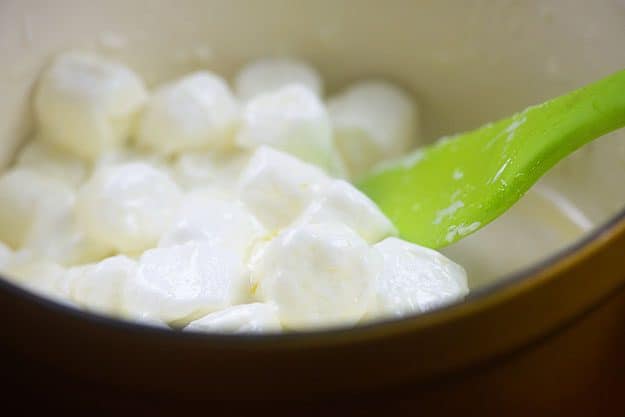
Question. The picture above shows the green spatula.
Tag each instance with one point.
(443, 192)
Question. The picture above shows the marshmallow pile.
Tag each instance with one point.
(214, 209)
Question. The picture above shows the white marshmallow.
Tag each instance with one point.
(294, 120)
(43, 277)
(37, 213)
(341, 203)
(372, 121)
(276, 187)
(128, 155)
(317, 275)
(87, 104)
(298, 241)
(52, 162)
(183, 282)
(127, 206)
(6, 254)
(270, 74)
(197, 111)
(204, 217)
(416, 279)
(101, 287)
(56, 236)
(244, 318)
(25, 195)
(202, 169)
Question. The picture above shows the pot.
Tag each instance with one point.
(540, 332)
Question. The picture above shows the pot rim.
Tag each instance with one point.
(497, 292)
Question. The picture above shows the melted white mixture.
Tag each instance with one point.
(198, 208)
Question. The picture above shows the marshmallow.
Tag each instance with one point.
(6, 254)
(25, 195)
(56, 236)
(101, 287)
(87, 104)
(260, 221)
(127, 206)
(276, 187)
(50, 161)
(37, 213)
(205, 217)
(270, 74)
(128, 155)
(43, 277)
(202, 169)
(416, 279)
(372, 121)
(317, 275)
(244, 318)
(340, 202)
(181, 283)
(294, 120)
(197, 111)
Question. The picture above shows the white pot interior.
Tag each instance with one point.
(467, 62)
